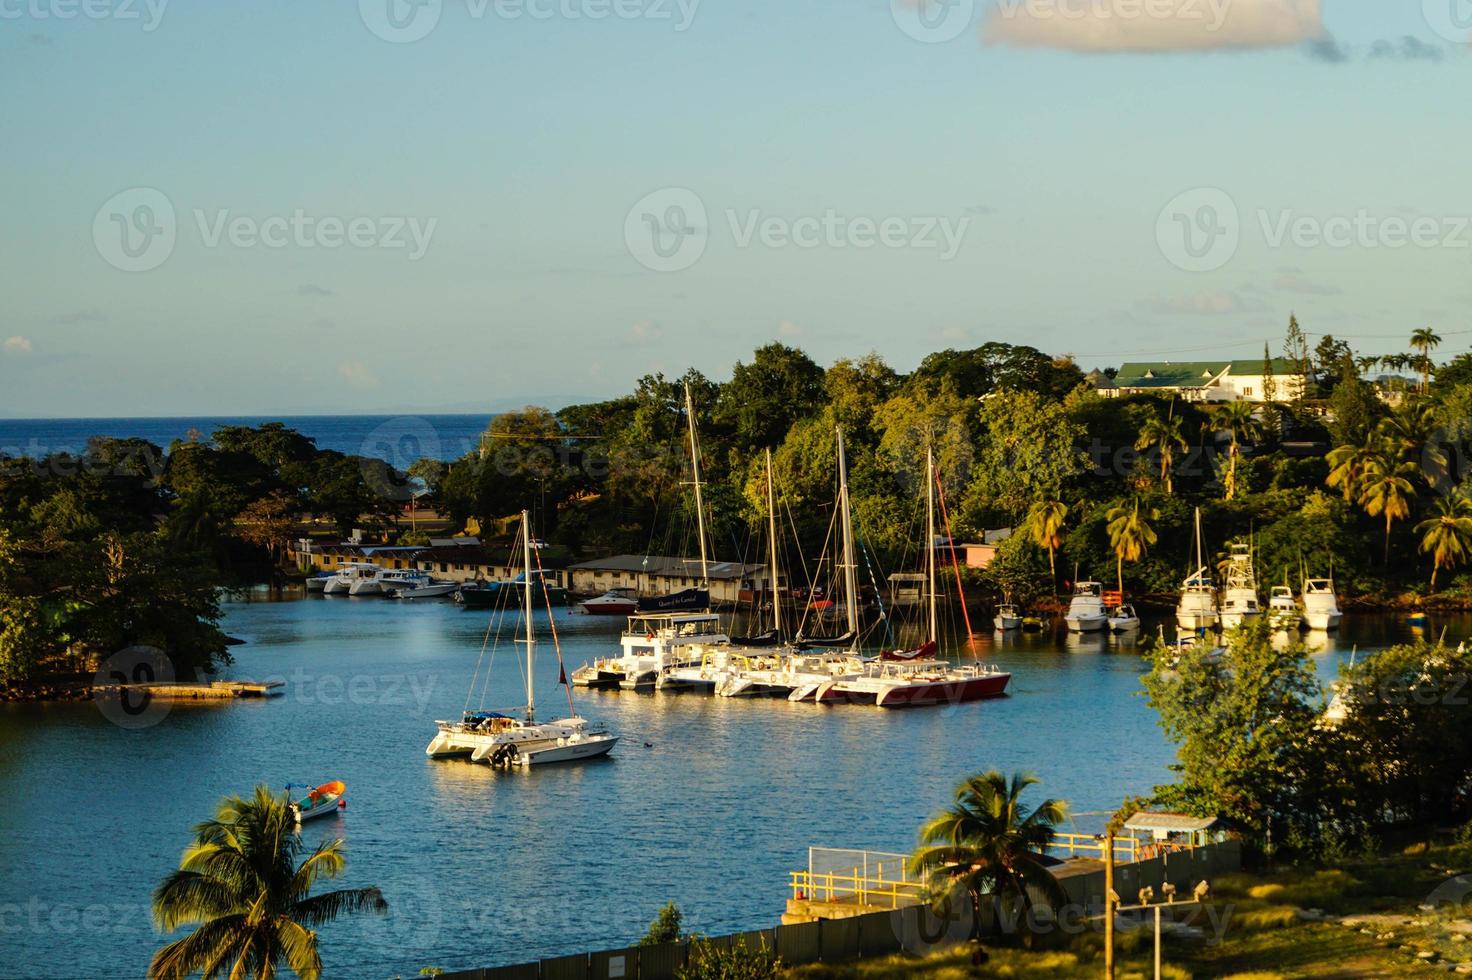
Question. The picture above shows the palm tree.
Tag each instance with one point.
(1425, 341)
(1413, 432)
(1044, 528)
(1348, 466)
(1129, 534)
(1447, 534)
(241, 884)
(1165, 435)
(987, 842)
(1386, 492)
(1240, 420)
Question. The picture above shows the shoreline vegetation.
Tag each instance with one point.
(131, 544)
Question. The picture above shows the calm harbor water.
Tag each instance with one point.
(706, 801)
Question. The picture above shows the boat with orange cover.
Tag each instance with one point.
(325, 799)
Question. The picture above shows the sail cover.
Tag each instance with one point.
(690, 600)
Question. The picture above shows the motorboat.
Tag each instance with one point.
(320, 802)
(1240, 601)
(1197, 607)
(505, 741)
(1320, 604)
(318, 582)
(1007, 618)
(1283, 612)
(614, 602)
(1086, 609)
(430, 590)
(354, 578)
(1123, 619)
(653, 643)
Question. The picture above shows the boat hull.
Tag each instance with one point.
(1007, 623)
(1086, 624)
(943, 692)
(1323, 621)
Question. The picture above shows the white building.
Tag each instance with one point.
(1209, 381)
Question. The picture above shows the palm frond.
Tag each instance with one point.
(322, 909)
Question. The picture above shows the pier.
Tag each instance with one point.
(190, 691)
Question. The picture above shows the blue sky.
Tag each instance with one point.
(1068, 149)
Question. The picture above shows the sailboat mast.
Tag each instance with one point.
(772, 532)
(528, 608)
(930, 536)
(850, 569)
(1199, 565)
(699, 501)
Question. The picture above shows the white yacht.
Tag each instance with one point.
(1086, 612)
(505, 741)
(355, 578)
(1197, 609)
(1320, 604)
(1283, 611)
(1240, 601)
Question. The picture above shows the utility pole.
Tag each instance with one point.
(1109, 903)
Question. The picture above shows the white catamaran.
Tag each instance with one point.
(506, 741)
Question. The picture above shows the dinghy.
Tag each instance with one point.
(325, 799)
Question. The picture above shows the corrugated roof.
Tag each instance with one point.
(1176, 823)
(1192, 374)
(667, 566)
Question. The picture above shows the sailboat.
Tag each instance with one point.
(1240, 601)
(506, 741)
(1197, 608)
(917, 678)
(665, 632)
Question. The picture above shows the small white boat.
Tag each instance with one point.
(1123, 619)
(1007, 618)
(320, 802)
(1320, 604)
(1086, 610)
(1283, 611)
(614, 602)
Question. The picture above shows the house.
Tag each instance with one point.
(652, 575)
(467, 560)
(310, 555)
(980, 554)
(1209, 381)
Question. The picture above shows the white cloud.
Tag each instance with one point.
(788, 329)
(19, 345)
(644, 332)
(1154, 25)
(357, 373)
(1291, 281)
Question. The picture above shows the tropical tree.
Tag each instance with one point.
(1164, 435)
(1349, 465)
(1387, 492)
(1425, 341)
(1239, 420)
(988, 842)
(240, 884)
(1446, 535)
(1130, 534)
(1414, 434)
(1044, 528)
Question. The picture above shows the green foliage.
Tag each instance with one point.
(1028, 451)
(712, 961)
(240, 885)
(666, 926)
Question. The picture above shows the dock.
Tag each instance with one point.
(212, 691)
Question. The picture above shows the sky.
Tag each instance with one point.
(410, 205)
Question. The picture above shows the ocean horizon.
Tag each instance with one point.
(396, 439)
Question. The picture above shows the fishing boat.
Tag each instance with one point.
(1086, 609)
(1283, 612)
(506, 741)
(1123, 619)
(321, 801)
(913, 679)
(1240, 601)
(614, 602)
(1197, 607)
(1320, 604)
(1008, 618)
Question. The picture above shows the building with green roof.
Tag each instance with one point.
(1209, 381)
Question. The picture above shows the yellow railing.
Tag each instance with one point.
(888, 886)
(1125, 848)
